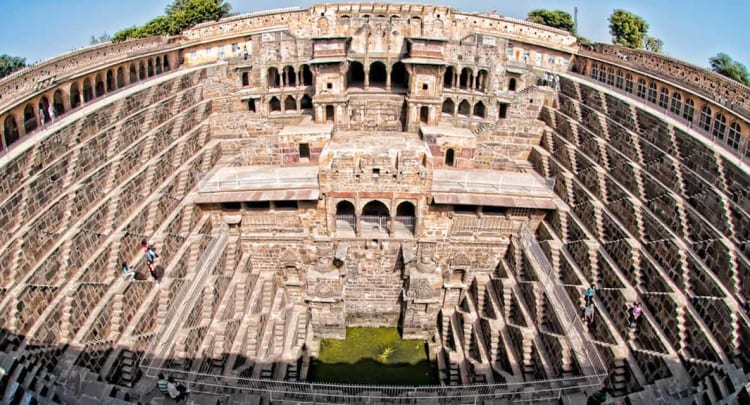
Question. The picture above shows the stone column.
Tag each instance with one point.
(388, 79)
(367, 78)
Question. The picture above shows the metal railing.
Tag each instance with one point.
(237, 182)
(404, 224)
(471, 223)
(321, 393)
(346, 223)
(497, 186)
(572, 324)
(374, 223)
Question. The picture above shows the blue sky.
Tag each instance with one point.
(692, 30)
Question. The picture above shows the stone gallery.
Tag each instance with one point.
(538, 220)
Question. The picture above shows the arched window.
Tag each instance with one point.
(602, 74)
(641, 88)
(479, 110)
(290, 76)
(448, 77)
(464, 81)
(689, 110)
(405, 220)
(399, 76)
(595, 71)
(449, 106)
(307, 76)
(375, 217)
(512, 84)
(651, 92)
(133, 74)
(274, 80)
(274, 104)
(356, 74)
(120, 77)
(345, 218)
(705, 118)
(290, 104)
(88, 92)
(618, 79)
(99, 86)
(43, 109)
(378, 74)
(664, 97)
(150, 68)
(676, 107)
(157, 65)
(734, 136)
(57, 102)
(165, 63)
(610, 76)
(481, 84)
(464, 108)
(10, 130)
(110, 80)
(629, 83)
(75, 95)
(29, 118)
(142, 71)
(305, 102)
(450, 157)
(720, 126)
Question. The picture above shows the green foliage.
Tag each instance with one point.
(725, 65)
(180, 15)
(627, 29)
(100, 39)
(9, 64)
(583, 40)
(553, 18)
(653, 44)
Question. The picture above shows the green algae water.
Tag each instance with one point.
(373, 356)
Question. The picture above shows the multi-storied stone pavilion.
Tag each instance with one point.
(463, 177)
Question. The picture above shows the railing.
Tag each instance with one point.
(498, 186)
(532, 391)
(488, 223)
(346, 223)
(572, 324)
(404, 224)
(237, 182)
(374, 223)
(155, 352)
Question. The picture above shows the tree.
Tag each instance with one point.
(100, 40)
(723, 64)
(653, 44)
(9, 64)
(180, 15)
(553, 18)
(627, 29)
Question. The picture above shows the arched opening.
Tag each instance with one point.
(676, 107)
(629, 83)
(356, 74)
(88, 92)
(150, 68)
(165, 62)
(664, 97)
(251, 105)
(481, 84)
(57, 102)
(651, 92)
(450, 157)
(479, 110)
(512, 84)
(464, 108)
(375, 217)
(274, 80)
(464, 81)
(10, 130)
(688, 110)
(99, 90)
(305, 102)
(610, 76)
(330, 114)
(290, 77)
(290, 104)
(44, 109)
(399, 76)
(75, 95)
(449, 106)
(641, 91)
(120, 78)
(133, 74)
(424, 114)
(378, 74)
(110, 80)
(157, 63)
(734, 136)
(29, 119)
(307, 76)
(720, 126)
(405, 217)
(142, 71)
(448, 77)
(345, 218)
(274, 104)
(619, 79)
(705, 119)
(245, 78)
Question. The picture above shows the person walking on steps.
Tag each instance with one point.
(634, 313)
(589, 295)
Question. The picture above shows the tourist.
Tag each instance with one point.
(41, 117)
(589, 295)
(634, 313)
(127, 272)
(153, 271)
(588, 314)
(178, 392)
(162, 384)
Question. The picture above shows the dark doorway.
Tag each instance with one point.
(424, 115)
(450, 156)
